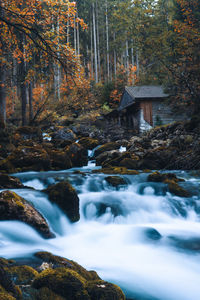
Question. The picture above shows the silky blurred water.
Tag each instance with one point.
(139, 236)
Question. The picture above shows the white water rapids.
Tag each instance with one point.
(140, 237)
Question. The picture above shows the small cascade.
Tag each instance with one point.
(139, 236)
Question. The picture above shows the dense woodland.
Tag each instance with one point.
(61, 57)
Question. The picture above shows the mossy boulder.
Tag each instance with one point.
(77, 154)
(6, 166)
(22, 275)
(63, 134)
(161, 177)
(108, 157)
(30, 158)
(130, 163)
(59, 159)
(115, 181)
(25, 133)
(14, 207)
(64, 282)
(9, 182)
(103, 290)
(65, 196)
(116, 170)
(58, 261)
(107, 147)
(5, 295)
(88, 143)
(176, 189)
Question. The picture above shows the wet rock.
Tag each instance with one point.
(192, 244)
(115, 181)
(176, 189)
(107, 147)
(104, 290)
(64, 282)
(59, 159)
(77, 154)
(89, 143)
(161, 177)
(58, 261)
(130, 163)
(64, 134)
(116, 170)
(30, 158)
(27, 133)
(108, 157)
(9, 182)
(65, 196)
(14, 207)
(152, 234)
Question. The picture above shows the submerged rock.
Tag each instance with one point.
(115, 180)
(161, 177)
(116, 170)
(14, 207)
(65, 196)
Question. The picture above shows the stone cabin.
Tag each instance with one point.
(143, 107)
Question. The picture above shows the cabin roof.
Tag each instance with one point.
(146, 91)
(137, 93)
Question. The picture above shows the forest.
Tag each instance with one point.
(76, 56)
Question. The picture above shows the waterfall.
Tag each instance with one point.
(138, 236)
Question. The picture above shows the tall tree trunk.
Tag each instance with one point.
(91, 51)
(95, 45)
(115, 57)
(107, 42)
(2, 95)
(98, 42)
(127, 57)
(30, 98)
(137, 63)
(75, 46)
(22, 83)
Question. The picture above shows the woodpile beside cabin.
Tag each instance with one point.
(143, 107)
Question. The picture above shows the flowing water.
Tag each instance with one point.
(140, 236)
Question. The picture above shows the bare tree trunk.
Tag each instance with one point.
(91, 51)
(127, 57)
(30, 98)
(95, 45)
(107, 42)
(2, 95)
(22, 83)
(115, 57)
(137, 63)
(75, 35)
(98, 43)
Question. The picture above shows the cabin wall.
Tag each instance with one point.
(163, 114)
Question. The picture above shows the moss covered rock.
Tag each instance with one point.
(65, 196)
(88, 143)
(24, 133)
(115, 180)
(77, 154)
(30, 158)
(130, 163)
(59, 159)
(22, 275)
(9, 182)
(64, 282)
(107, 147)
(176, 189)
(161, 177)
(14, 207)
(103, 290)
(116, 170)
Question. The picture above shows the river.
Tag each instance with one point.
(140, 236)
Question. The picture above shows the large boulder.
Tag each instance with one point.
(89, 143)
(13, 207)
(65, 196)
(59, 159)
(63, 134)
(26, 133)
(30, 158)
(107, 147)
(77, 154)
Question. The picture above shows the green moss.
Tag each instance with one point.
(116, 170)
(22, 274)
(161, 177)
(47, 294)
(115, 180)
(64, 282)
(103, 290)
(4, 295)
(176, 189)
